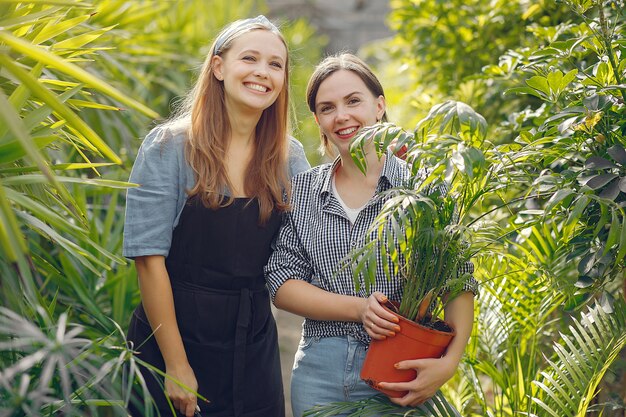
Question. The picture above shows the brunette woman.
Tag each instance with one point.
(333, 206)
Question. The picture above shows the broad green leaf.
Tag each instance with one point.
(568, 78)
(597, 162)
(600, 180)
(539, 83)
(618, 154)
(611, 191)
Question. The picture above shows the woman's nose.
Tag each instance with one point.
(260, 71)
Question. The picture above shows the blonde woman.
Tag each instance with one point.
(199, 226)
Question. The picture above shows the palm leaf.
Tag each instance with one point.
(379, 405)
(580, 360)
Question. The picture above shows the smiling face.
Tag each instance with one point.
(253, 71)
(343, 106)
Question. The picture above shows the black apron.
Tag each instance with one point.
(223, 311)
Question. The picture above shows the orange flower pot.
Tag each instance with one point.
(414, 341)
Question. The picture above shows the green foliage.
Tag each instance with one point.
(74, 80)
(422, 230)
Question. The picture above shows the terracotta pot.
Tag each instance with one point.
(414, 341)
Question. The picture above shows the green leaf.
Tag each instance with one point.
(539, 84)
(621, 248)
(597, 162)
(611, 191)
(614, 232)
(600, 180)
(55, 28)
(11, 238)
(577, 211)
(12, 151)
(41, 55)
(557, 197)
(94, 141)
(618, 154)
(37, 179)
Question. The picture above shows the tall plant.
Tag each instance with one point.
(423, 229)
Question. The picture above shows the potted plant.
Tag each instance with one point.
(423, 232)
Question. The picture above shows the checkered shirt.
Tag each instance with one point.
(316, 236)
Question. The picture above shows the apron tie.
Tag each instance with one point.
(239, 361)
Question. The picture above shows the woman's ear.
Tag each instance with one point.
(381, 106)
(216, 64)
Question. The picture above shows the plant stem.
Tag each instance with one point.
(606, 38)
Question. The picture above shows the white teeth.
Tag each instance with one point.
(257, 87)
(347, 131)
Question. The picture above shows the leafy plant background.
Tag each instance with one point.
(82, 81)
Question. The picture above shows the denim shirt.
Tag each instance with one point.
(163, 174)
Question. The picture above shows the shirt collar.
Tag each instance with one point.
(393, 174)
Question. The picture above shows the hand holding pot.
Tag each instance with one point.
(378, 322)
(431, 375)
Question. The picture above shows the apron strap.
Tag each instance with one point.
(239, 362)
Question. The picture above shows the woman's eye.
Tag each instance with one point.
(354, 101)
(326, 109)
(248, 58)
(277, 65)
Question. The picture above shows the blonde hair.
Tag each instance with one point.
(266, 177)
(326, 68)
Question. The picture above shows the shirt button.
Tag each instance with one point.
(353, 243)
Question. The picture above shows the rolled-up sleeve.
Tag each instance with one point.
(288, 260)
(470, 284)
(151, 208)
(297, 158)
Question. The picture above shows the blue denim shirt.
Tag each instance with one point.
(163, 174)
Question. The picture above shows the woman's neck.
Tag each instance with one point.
(354, 187)
(374, 166)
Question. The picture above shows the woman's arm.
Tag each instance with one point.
(158, 303)
(307, 300)
(433, 373)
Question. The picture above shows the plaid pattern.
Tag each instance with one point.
(316, 236)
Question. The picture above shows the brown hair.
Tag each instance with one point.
(332, 64)
(266, 176)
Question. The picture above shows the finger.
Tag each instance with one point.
(407, 401)
(175, 403)
(384, 314)
(374, 332)
(190, 407)
(409, 364)
(380, 297)
(383, 328)
(396, 386)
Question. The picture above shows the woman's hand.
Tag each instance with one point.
(378, 322)
(183, 399)
(431, 375)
